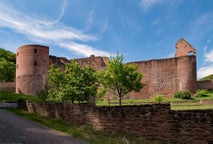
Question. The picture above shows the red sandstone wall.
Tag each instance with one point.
(150, 121)
(97, 63)
(8, 86)
(166, 76)
(32, 63)
(184, 48)
(58, 61)
(205, 85)
(186, 68)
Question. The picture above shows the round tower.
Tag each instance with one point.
(32, 64)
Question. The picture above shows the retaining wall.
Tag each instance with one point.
(150, 120)
(8, 86)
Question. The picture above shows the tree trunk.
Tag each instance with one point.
(120, 100)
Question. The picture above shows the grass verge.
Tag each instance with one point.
(13, 97)
(86, 132)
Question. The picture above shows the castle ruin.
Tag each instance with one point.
(163, 76)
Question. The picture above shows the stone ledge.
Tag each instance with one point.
(8, 105)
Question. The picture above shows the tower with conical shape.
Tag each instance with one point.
(32, 64)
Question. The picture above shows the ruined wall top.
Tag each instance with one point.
(184, 48)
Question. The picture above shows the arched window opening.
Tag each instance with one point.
(190, 53)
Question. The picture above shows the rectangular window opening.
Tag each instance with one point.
(35, 50)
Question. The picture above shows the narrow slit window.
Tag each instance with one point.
(35, 63)
(35, 50)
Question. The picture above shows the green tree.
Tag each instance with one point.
(74, 83)
(120, 78)
(7, 55)
(7, 66)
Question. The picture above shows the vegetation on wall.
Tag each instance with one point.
(7, 66)
(119, 78)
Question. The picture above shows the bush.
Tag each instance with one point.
(159, 98)
(43, 95)
(182, 95)
(201, 93)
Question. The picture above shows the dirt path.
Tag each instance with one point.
(18, 130)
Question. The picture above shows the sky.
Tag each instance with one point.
(138, 29)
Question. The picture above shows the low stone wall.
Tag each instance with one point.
(150, 120)
(8, 86)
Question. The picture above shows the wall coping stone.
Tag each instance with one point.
(8, 105)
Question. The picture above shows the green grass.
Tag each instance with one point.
(86, 132)
(12, 97)
(176, 103)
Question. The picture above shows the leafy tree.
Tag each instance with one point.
(54, 85)
(7, 66)
(119, 78)
(7, 70)
(74, 83)
(7, 55)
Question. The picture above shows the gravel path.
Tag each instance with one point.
(15, 129)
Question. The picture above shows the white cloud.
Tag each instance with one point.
(206, 70)
(208, 56)
(86, 50)
(148, 4)
(46, 31)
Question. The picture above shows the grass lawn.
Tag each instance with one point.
(13, 97)
(87, 132)
(176, 104)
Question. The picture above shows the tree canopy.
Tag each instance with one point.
(74, 83)
(120, 78)
(7, 66)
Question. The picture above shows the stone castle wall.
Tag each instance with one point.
(208, 85)
(150, 120)
(166, 76)
(97, 63)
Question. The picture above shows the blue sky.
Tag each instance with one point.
(138, 29)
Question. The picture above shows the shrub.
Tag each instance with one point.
(182, 95)
(201, 93)
(159, 98)
(43, 94)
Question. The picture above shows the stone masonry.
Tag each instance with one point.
(150, 120)
(164, 76)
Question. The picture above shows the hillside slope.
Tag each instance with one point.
(209, 77)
